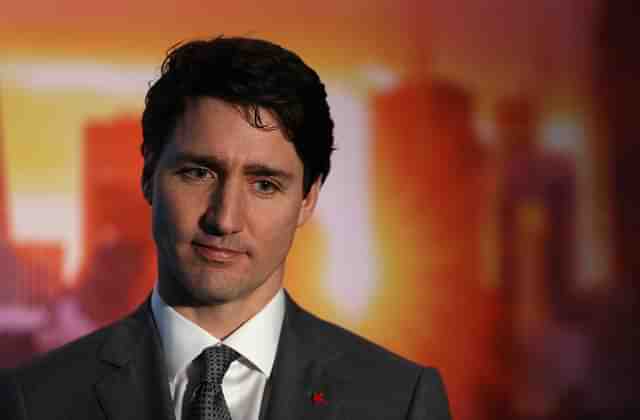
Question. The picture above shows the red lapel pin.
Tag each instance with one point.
(318, 398)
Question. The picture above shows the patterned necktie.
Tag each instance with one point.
(209, 402)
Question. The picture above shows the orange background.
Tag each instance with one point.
(72, 82)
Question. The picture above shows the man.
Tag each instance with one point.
(237, 142)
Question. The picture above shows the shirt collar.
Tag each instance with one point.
(183, 340)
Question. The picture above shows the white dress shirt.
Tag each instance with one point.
(256, 341)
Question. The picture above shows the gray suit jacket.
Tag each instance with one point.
(321, 371)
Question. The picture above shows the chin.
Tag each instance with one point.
(211, 290)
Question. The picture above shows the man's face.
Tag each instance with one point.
(227, 199)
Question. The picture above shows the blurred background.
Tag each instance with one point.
(480, 217)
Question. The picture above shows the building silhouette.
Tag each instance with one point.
(537, 213)
(42, 273)
(541, 337)
(118, 269)
(429, 200)
(616, 370)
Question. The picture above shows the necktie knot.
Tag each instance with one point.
(216, 361)
(209, 402)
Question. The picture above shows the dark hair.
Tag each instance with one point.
(252, 74)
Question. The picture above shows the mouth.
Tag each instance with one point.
(215, 254)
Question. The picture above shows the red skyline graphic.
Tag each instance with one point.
(42, 275)
(428, 157)
(118, 268)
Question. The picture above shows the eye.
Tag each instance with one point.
(195, 173)
(265, 187)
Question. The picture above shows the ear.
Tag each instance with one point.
(309, 203)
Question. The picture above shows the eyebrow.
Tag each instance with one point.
(259, 169)
(212, 162)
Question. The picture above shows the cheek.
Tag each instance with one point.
(173, 218)
(276, 231)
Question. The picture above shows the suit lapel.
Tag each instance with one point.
(301, 386)
(136, 386)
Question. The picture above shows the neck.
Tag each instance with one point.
(221, 318)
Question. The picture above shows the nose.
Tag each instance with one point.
(225, 214)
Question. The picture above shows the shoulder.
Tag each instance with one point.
(356, 351)
(349, 343)
(11, 403)
(75, 366)
(54, 379)
(371, 373)
(77, 355)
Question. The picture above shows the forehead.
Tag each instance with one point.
(211, 127)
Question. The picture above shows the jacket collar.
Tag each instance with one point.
(137, 385)
(301, 385)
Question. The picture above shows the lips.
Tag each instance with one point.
(214, 253)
